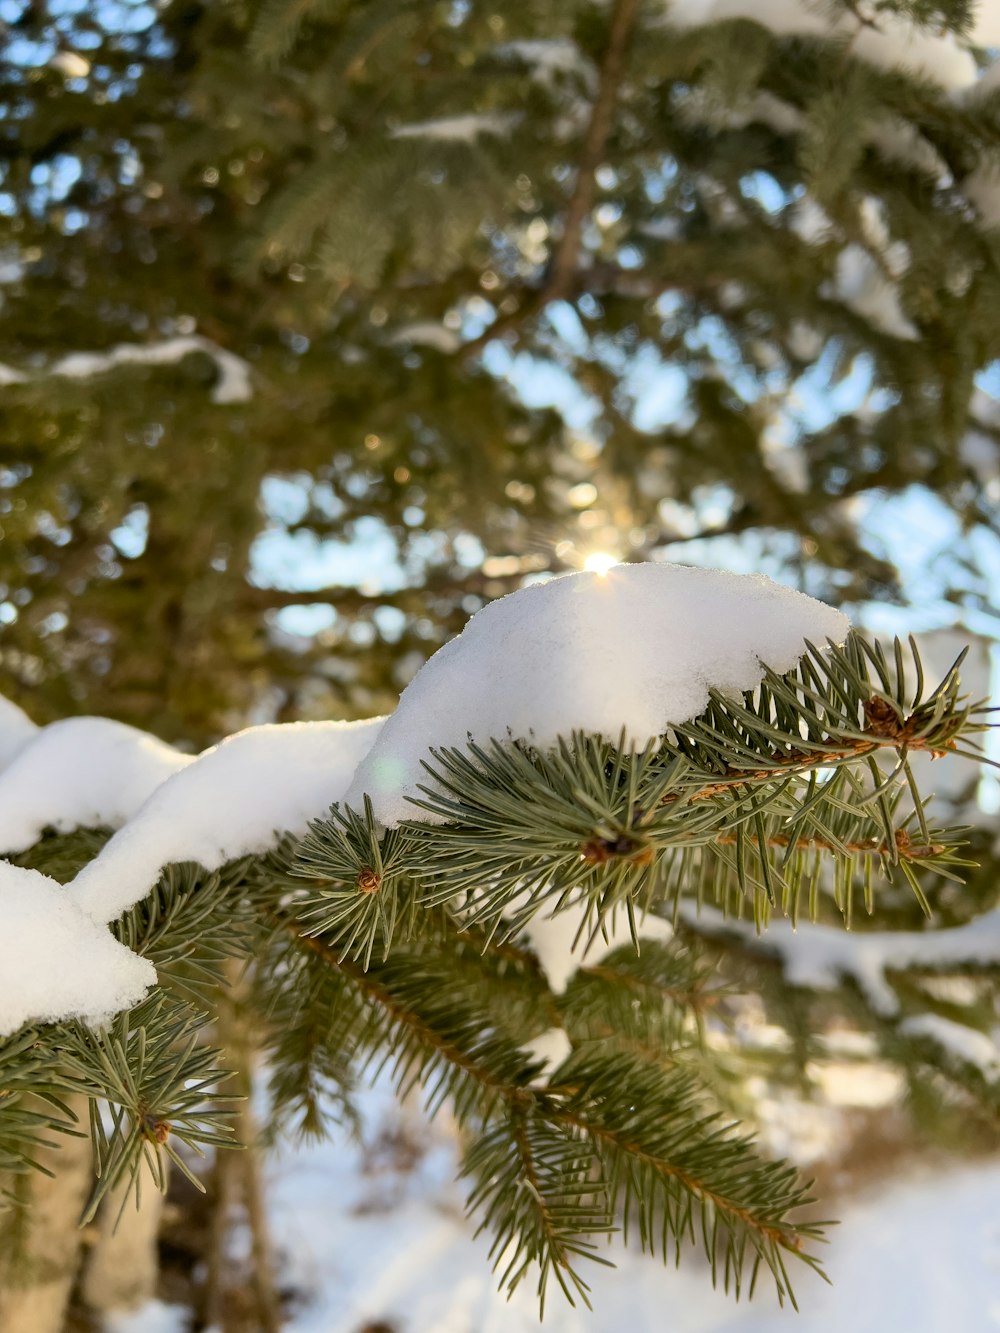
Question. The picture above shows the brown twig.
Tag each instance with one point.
(561, 279)
(567, 255)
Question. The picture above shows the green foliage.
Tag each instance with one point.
(155, 1077)
(410, 950)
(380, 282)
(754, 800)
(393, 294)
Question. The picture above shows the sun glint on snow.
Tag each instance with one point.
(636, 647)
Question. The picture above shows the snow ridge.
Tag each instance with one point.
(83, 772)
(820, 957)
(232, 385)
(232, 801)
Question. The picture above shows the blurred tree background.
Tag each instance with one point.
(326, 321)
(323, 323)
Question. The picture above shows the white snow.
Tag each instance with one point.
(83, 772)
(959, 1040)
(16, 730)
(855, 1083)
(551, 57)
(231, 386)
(637, 648)
(70, 64)
(894, 43)
(767, 109)
(704, 107)
(551, 1047)
(563, 942)
(562, 946)
(891, 42)
(863, 287)
(822, 956)
(811, 222)
(55, 961)
(787, 17)
(364, 1243)
(901, 140)
(982, 189)
(457, 129)
(860, 281)
(153, 1317)
(231, 801)
(804, 341)
(986, 23)
(426, 333)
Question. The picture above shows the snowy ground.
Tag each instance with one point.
(392, 1247)
(379, 1242)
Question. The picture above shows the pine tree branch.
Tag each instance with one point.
(666, 1135)
(347, 599)
(561, 278)
(399, 1013)
(784, 1236)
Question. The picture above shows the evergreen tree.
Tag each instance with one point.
(746, 257)
(755, 257)
(589, 1082)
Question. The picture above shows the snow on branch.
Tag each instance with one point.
(962, 1043)
(552, 57)
(231, 386)
(234, 800)
(865, 278)
(637, 649)
(820, 957)
(55, 961)
(425, 333)
(458, 129)
(83, 772)
(890, 41)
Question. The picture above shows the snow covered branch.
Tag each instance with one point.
(232, 384)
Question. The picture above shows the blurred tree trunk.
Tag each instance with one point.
(43, 1240)
(123, 1268)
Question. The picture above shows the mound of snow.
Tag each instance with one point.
(84, 772)
(16, 730)
(55, 961)
(232, 801)
(638, 648)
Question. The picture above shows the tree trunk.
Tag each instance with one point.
(40, 1265)
(123, 1268)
